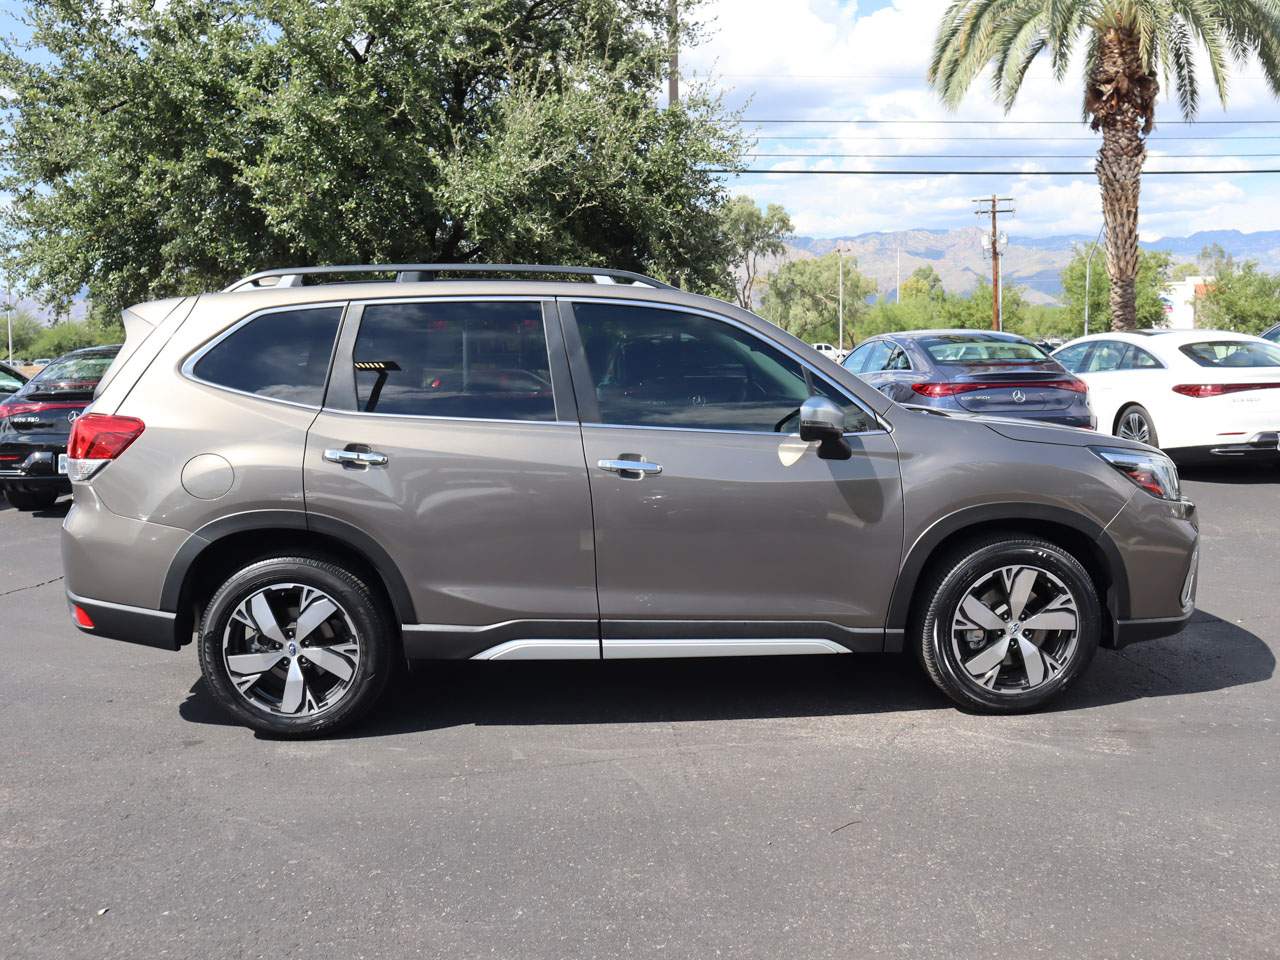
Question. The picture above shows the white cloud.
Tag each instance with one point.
(825, 60)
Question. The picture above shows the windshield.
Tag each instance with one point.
(1233, 353)
(976, 348)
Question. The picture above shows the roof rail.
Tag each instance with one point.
(416, 272)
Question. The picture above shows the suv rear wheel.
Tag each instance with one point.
(1008, 623)
(295, 646)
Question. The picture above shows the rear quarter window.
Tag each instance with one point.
(280, 355)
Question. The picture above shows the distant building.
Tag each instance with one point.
(1181, 299)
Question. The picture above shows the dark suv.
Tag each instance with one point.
(315, 481)
(35, 422)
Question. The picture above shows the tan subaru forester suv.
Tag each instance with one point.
(321, 472)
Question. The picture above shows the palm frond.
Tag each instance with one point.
(1204, 24)
(1020, 43)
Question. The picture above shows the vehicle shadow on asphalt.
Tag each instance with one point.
(1211, 655)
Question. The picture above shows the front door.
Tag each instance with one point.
(729, 535)
(449, 437)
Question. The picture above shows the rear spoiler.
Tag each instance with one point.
(140, 321)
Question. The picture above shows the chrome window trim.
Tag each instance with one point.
(187, 369)
(431, 416)
(746, 328)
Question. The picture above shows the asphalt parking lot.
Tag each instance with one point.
(813, 807)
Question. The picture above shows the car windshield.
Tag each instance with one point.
(1233, 353)
(975, 348)
(85, 369)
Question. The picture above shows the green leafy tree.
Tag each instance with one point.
(803, 298)
(1241, 297)
(1154, 267)
(157, 149)
(752, 233)
(1127, 46)
(924, 282)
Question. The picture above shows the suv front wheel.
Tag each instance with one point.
(1007, 624)
(295, 646)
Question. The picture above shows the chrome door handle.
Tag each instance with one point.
(356, 458)
(642, 467)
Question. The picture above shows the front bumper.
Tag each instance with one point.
(1135, 631)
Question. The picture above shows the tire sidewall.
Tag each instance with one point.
(358, 604)
(970, 570)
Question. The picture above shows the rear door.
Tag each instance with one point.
(729, 535)
(450, 436)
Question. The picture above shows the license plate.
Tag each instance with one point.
(62, 464)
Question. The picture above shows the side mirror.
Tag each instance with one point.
(822, 420)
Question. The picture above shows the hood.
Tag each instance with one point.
(1032, 431)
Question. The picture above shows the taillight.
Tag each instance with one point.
(96, 440)
(950, 389)
(1199, 390)
(19, 408)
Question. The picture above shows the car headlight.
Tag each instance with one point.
(1153, 472)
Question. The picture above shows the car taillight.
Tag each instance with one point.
(1219, 389)
(96, 440)
(19, 408)
(950, 389)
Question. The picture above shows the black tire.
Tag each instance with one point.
(1140, 418)
(372, 625)
(972, 564)
(31, 499)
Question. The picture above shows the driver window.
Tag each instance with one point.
(667, 368)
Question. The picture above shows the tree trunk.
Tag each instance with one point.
(1121, 97)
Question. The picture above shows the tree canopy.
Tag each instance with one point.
(1153, 275)
(752, 233)
(803, 298)
(157, 149)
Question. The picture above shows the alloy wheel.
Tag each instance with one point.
(291, 650)
(1134, 426)
(1015, 629)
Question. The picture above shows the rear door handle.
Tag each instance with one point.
(356, 458)
(636, 469)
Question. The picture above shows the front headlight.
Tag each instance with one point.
(1153, 472)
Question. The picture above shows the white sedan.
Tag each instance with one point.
(1188, 392)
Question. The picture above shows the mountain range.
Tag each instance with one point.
(1032, 263)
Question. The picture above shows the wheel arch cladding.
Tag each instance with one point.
(1079, 535)
(214, 551)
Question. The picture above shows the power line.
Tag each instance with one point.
(1001, 156)
(1020, 123)
(1004, 138)
(987, 173)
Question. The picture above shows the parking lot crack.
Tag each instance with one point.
(43, 583)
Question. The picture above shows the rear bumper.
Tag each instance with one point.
(37, 470)
(116, 621)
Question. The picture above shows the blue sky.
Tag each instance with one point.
(825, 60)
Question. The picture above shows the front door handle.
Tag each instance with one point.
(630, 467)
(356, 458)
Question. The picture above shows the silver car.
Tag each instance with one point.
(316, 481)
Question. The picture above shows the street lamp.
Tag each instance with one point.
(840, 302)
(1088, 265)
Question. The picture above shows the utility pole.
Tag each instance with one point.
(899, 284)
(673, 41)
(991, 207)
(840, 302)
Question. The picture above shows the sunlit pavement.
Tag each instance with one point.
(808, 807)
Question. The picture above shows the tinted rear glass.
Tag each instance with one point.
(1233, 353)
(980, 349)
(282, 355)
(484, 361)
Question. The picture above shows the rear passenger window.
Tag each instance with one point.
(283, 355)
(483, 361)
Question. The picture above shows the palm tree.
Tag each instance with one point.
(1127, 42)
